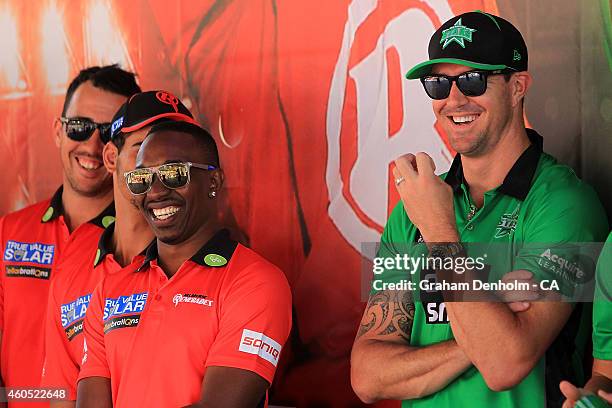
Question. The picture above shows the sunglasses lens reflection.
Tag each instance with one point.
(472, 83)
(139, 181)
(80, 130)
(174, 175)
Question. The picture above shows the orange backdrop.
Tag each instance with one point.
(307, 103)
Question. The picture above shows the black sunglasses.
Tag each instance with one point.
(81, 129)
(471, 83)
(171, 175)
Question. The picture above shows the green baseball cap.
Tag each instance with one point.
(478, 40)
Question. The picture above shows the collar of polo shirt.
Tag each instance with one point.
(518, 180)
(220, 244)
(56, 208)
(105, 245)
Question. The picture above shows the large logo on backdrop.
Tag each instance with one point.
(374, 114)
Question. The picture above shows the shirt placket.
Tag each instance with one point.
(158, 283)
(473, 214)
(63, 234)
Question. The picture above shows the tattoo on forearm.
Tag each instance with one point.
(388, 313)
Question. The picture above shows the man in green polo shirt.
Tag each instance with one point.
(601, 378)
(503, 190)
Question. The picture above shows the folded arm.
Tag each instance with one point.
(524, 337)
(383, 363)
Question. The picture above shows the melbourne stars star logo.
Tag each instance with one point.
(507, 223)
(457, 33)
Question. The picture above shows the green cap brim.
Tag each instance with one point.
(424, 68)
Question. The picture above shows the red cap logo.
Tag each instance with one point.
(168, 98)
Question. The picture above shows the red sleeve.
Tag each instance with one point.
(94, 363)
(254, 322)
(59, 369)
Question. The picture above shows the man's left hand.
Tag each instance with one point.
(427, 199)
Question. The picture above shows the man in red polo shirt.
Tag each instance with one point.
(203, 320)
(120, 244)
(39, 241)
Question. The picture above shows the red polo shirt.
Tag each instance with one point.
(69, 297)
(154, 337)
(37, 247)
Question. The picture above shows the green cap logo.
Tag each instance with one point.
(214, 260)
(457, 33)
(107, 220)
(517, 56)
(48, 214)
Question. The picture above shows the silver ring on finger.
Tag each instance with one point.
(399, 180)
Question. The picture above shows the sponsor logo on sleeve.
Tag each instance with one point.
(72, 315)
(571, 267)
(26, 252)
(123, 311)
(257, 343)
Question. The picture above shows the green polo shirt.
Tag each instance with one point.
(541, 202)
(602, 306)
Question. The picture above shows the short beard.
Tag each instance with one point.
(479, 148)
(97, 190)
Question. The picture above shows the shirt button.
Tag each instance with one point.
(470, 227)
(157, 297)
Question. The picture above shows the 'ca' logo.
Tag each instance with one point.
(374, 114)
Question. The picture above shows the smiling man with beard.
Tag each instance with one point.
(502, 190)
(202, 322)
(42, 239)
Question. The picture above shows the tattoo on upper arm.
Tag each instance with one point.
(388, 314)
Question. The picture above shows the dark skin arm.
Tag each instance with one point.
(223, 387)
(63, 404)
(94, 392)
(227, 387)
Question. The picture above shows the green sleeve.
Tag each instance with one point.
(602, 305)
(555, 228)
(397, 239)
